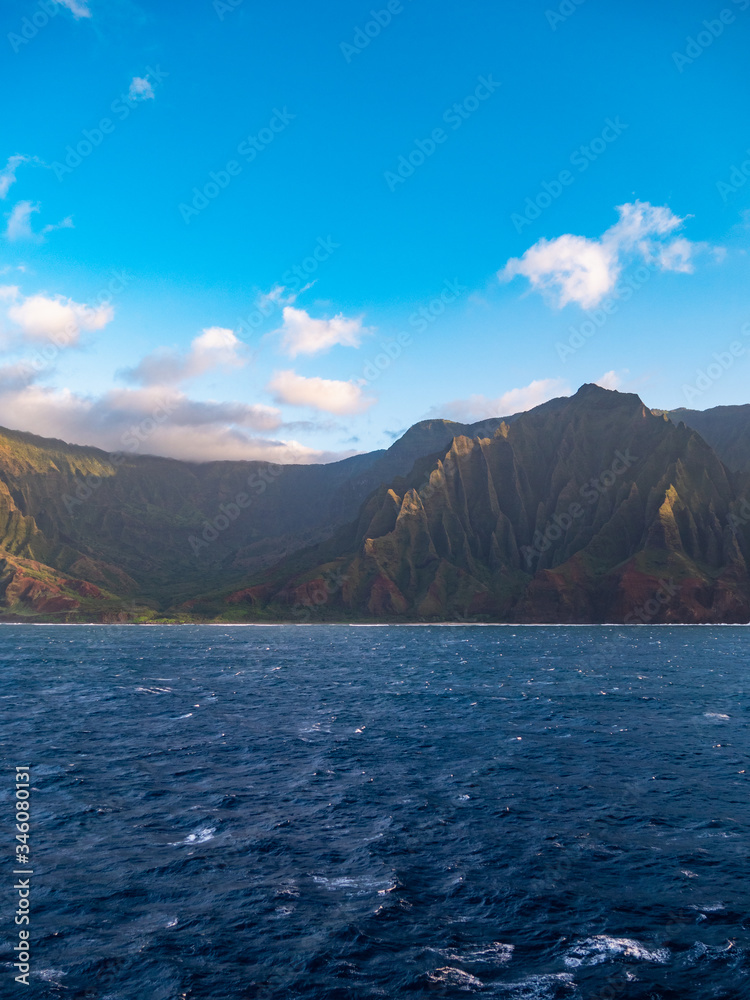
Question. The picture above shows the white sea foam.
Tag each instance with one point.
(602, 948)
(50, 975)
(200, 836)
(361, 886)
(536, 987)
(701, 951)
(495, 953)
(448, 976)
(317, 727)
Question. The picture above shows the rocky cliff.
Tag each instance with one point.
(593, 509)
(589, 508)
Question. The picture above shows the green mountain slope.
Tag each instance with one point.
(155, 531)
(725, 428)
(590, 509)
(453, 520)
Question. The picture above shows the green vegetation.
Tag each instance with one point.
(575, 511)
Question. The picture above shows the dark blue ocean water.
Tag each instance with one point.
(339, 813)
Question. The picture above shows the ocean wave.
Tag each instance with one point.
(701, 952)
(602, 948)
(448, 976)
(495, 953)
(360, 886)
(200, 836)
(548, 987)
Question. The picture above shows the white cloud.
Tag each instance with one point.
(611, 380)
(153, 418)
(19, 223)
(301, 334)
(8, 173)
(152, 422)
(678, 256)
(216, 347)
(78, 8)
(45, 318)
(479, 407)
(319, 393)
(141, 89)
(582, 270)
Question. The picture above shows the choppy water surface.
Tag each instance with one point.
(338, 812)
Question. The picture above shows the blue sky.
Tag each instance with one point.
(559, 188)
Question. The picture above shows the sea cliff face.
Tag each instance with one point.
(585, 509)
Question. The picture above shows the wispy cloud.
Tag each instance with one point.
(216, 347)
(612, 379)
(8, 172)
(151, 421)
(301, 334)
(78, 8)
(66, 223)
(19, 223)
(280, 296)
(322, 394)
(519, 400)
(582, 270)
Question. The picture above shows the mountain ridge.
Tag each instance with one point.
(457, 519)
(430, 551)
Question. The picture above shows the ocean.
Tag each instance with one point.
(346, 813)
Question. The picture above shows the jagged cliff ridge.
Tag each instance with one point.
(591, 508)
(725, 428)
(84, 531)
